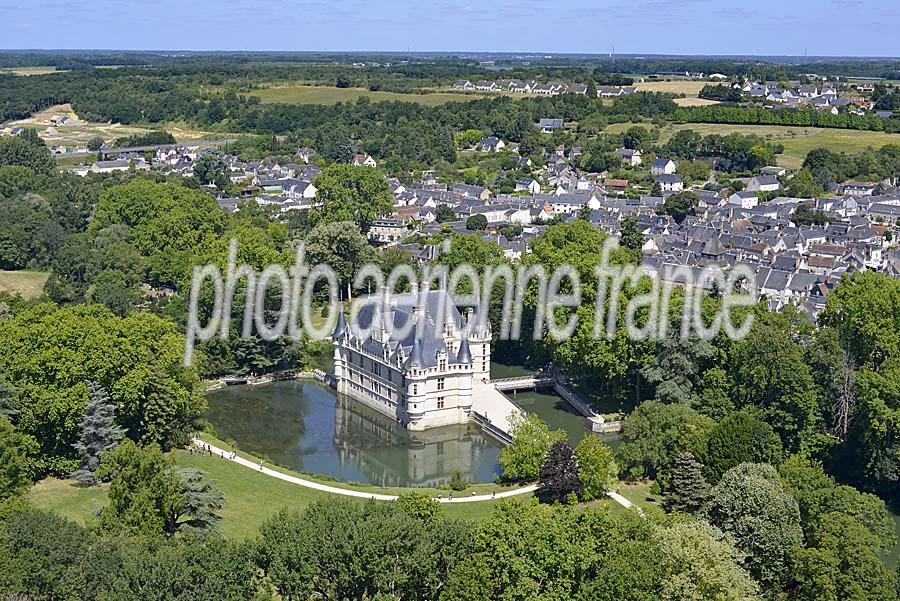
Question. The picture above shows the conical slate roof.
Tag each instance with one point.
(341, 328)
(464, 356)
(415, 356)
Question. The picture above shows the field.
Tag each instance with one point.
(30, 70)
(797, 141)
(27, 283)
(72, 136)
(678, 86)
(694, 101)
(298, 94)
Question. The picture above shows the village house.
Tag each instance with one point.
(763, 183)
(360, 160)
(492, 144)
(663, 166)
(670, 182)
(630, 156)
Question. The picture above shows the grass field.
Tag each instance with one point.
(797, 141)
(694, 102)
(27, 283)
(297, 94)
(77, 503)
(251, 497)
(30, 70)
(679, 86)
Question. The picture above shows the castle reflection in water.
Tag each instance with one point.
(428, 457)
(308, 427)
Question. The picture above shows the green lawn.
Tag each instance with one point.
(78, 503)
(298, 94)
(27, 283)
(251, 497)
(797, 141)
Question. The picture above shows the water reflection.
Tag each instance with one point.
(307, 427)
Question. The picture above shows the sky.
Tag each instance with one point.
(757, 27)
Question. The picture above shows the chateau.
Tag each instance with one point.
(413, 357)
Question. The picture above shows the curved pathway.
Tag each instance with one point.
(258, 467)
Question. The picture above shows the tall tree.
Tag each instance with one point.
(597, 467)
(687, 489)
(15, 476)
(560, 477)
(147, 496)
(100, 433)
(700, 562)
(350, 193)
(522, 459)
(750, 504)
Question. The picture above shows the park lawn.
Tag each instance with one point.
(29, 284)
(678, 86)
(639, 494)
(299, 94)
(797, 141)
(251, 497)
(66, 498)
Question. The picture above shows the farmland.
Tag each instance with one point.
(797, 141)
(297, 94)
(27, 283)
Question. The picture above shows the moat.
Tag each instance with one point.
(308, 427)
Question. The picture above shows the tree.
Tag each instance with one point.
(700, 562)
(654, 434)
(637, 137)
(15, 476)
(680, 205)
(148, 497)
(675, 372)
(347, 193)
(420, 506)
(841, 562)
(197, 511)
(630, 235)
(341, 246)
(531, 441)
(444, 214)
(750, 504)
(687, 489)
(770, 373)
(862, 308)
(95, 143)
(342, 549)
(597, 467)
(99, 433)
(802, 185)
(26, 150)
(210, 169)
(739, 438)
(476, 223)
(560, 477)
(531, 551)
(806, 215)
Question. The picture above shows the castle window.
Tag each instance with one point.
(440, 404)
(442, 364)
(440, 383)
